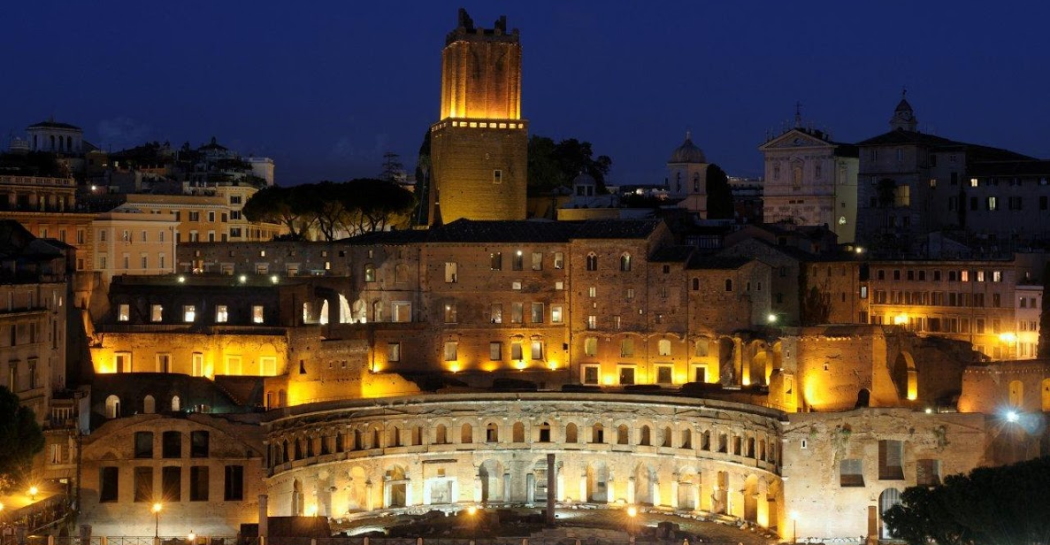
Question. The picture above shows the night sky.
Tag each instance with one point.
(325, 88)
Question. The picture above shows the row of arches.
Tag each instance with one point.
(114, 409)
(754, 445)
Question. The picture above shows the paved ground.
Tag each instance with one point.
(612, 525)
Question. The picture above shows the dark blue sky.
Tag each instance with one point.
(326, 87)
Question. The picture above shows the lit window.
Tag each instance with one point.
(450, 313)
(973, 182)
(189, 313)
(537, 313)
(257, 314)
(559, 260)
(537, 350)
(451, 269)
(556, 314)
(537, 261)
(221, 314)
(495, 351)
(393, 352)
(451, 350)
(589, 374)
(590, 346)
(123, 312)
(592, 322)
(156, 313)
(592, 292)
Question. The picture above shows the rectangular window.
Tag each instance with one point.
(517, 313)
(592, 292)
(402, 311)
(515, 352)
(557, 315)
(851, 472)
(927, 472)
(189, 313)
(993, 203)
(537, 313)
(537, 350)
(109, 484)
(592, 322)
(559, 260)
(257, 314)
(496, 313)
(537, 261)
(163, 363)
(496, 351)
(891, 454)
(144, 484)
(590, 346)
(234, 483)
(123, 312)
(664, 374)
(496, 261)
(626, 374)
(589, 375)
(518, 261)
(451, 269)
(143, 444)
(393, 352)
(171, 444)
(627, 348)
(497, 176)
(450, 313)
(199, 444)
(171, 483)
(451, 350)
(197, 364)
(199, 483)
(222, 314)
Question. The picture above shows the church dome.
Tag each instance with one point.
(687, 152)
(584, 179)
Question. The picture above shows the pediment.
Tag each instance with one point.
(795, 139)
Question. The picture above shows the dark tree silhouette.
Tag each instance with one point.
(20, 440)
(719, 194)
(553, 165)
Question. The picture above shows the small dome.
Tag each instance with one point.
(687, 153)
(584, 179)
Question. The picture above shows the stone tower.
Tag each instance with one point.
(903, 116)
(479, 147)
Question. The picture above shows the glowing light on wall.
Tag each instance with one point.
(520, 365)
(900, 319)
(552, 365)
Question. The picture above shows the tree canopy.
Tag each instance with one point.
(991, 506)
(719, 194)
(553, 165)
(358, 206)
(20, 440)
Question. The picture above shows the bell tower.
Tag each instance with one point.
(479, 147)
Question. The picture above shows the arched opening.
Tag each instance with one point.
(751, 498)
(863, 398)
(394, 437)
(518, 432)
(597, 482)
(719, 497)
(705, 440)
(597, 434)
(625, 262)
(441, 435)
(668, 438)
(906, 377)
(298, 449)
(687, 438)
(466, 434)
(490, 473)
(339, 442)
(643, 436)
(538, 486)
(112, 407)
(544, 433)
(149, 405)
(688, 490)
(395, 485)
(570, 433)
(622, 435)
(888, 498)
(644, 482)
(176, 404)
(491, 433)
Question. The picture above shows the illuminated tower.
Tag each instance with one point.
(478, 149)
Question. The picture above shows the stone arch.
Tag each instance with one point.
(149, 404)
(492, 432)
(667, 439)
(112, 407)
(490, 477)
(571, 433)
(750, 492)
(543, 433)
(623, 435)
(625, 262)
(357, 493)
(536, 481)
(720, 493)
(597, 433)
(905, 376)
(887, 499)
(1016, 394)
(645, 483)
(466, 433)
(518, 433)
(688, 489)
(687, 438)
(727, 361)
(597, 482)
(393, 438)
(645, 436)
(705, 440)
(863, 398)
(176, 404)
(395, 487)
(441, 434)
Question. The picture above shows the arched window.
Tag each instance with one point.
(570, 433)
(377, 311)
(492, 433)
(545, 433)
(667, 437)
(112, 407)
(705, 440)
(176, 404)
(622, 435)
(687, 439)
(625, 262)
(149, 405)
(339, 440)
(375, 439)
(664, 347)
(298, 449)
(394, 440)
(441, 435)
(466, 434)
(643, 436)
(597, 434)
(518, 433)
(696, 182)
(592, 261)
(370, 273)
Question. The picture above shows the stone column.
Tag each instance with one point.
(264, 516)
(674, 493)
(583, 487)
(630, 489)
(530, 488)
(506, 487)
(477, 488)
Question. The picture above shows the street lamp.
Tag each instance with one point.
(473, 512)
(632, 512)
(32, 493)
(156, 520)
(794, 526)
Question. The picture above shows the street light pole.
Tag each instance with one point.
(156, 521)
(794, 526)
